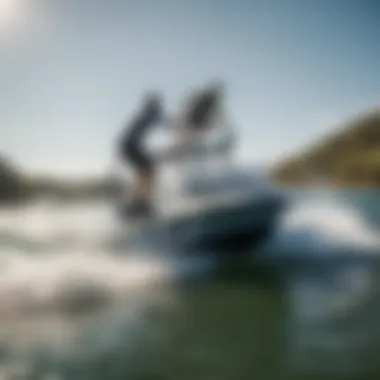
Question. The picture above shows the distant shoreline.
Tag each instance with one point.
(347, 158)
(18, 187)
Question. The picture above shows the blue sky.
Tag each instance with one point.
(72, 72)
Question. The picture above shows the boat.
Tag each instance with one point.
(214, 206)
(223, 211)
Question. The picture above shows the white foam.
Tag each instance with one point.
(323, 226)
(310, 228)
(52, 222)
(66, 278)
(85, 268)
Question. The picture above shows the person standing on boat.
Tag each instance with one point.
(203, 114)
(133, 153)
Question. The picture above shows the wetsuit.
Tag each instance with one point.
(131, 145)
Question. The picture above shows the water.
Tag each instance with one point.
(307, 306)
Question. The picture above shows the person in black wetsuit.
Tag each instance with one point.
(132, 152)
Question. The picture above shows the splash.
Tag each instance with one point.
(71, 268)
(67, 302)
(322, 227)
(53, 223)
(63, 312)
(74, 282)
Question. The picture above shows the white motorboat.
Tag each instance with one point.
(220, 211)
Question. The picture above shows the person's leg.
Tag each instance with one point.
(146, 186)
(143, 189)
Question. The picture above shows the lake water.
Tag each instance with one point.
(305, 306)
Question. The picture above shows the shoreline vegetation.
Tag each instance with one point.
(349, 157)
(17, 187)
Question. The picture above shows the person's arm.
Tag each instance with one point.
(189, 141)
(169, 122)
(185, 145)
(173, 153)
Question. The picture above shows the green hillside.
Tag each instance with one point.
(349, 157)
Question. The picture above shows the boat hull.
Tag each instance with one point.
(232, 228)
